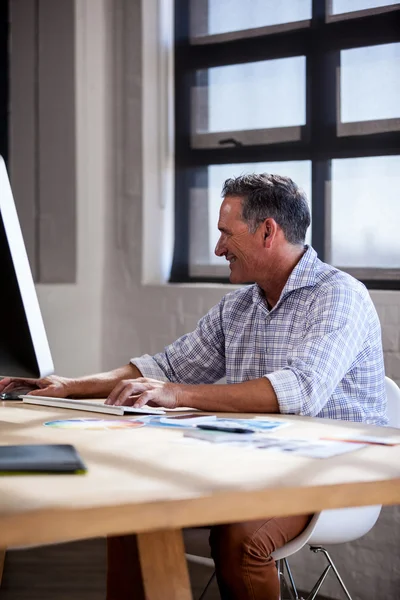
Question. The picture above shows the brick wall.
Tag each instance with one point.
(388, 307)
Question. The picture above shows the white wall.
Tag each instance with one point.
(73, 312)
(109, 315)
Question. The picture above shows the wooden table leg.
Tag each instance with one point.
(148, 566)
(2, 559)
(163, 564)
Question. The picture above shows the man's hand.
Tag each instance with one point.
(88, 386)
(256, 395)
(58, 387)
(142, 391)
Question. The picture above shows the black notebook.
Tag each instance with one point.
(40, 458)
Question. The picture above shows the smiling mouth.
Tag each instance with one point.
(231, 259)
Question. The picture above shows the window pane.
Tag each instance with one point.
(370, 83)
(366, 212)
(222, 16)
(257, 95)
(344, 6)
(206, 201)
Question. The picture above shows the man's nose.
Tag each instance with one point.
(219, 248)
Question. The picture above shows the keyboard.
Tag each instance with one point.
(90, 406)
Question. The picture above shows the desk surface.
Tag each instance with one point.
(146, 479)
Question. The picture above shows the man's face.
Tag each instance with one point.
(241, 248)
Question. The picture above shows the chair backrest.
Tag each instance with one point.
(393, 402)
(336, 526)
(347, 524)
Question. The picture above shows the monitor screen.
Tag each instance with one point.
(24, 350)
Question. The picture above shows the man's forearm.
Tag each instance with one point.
(257, 396)
(101, 384)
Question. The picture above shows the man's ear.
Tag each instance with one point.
(269, 227)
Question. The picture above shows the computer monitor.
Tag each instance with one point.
(24, 350)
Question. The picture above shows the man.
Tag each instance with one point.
(303, 339)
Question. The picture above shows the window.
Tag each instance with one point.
(344, 6)
(365, 200)
(309, 89)
(253, 106)
(369, 89)
(242, 17)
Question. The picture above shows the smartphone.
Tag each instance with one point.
(227, 428)
(187, 416)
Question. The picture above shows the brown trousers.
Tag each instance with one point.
(241, 552)
(242, 556)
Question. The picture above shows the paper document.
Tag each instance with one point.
(311, 448)
(301, 447)
(265, 423)
(367, 439)
(187, 421)
(190, 421)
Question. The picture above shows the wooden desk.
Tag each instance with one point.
(146, 481)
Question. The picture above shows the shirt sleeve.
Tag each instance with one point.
(197, 357)
(336, 329)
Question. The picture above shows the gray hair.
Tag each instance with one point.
(271, 196)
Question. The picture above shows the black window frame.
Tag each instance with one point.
(320, 42)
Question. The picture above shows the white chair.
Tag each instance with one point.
(336, 526)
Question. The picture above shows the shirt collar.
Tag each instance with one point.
(303, 275)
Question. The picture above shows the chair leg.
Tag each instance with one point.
(2, 559)
(292, 583)
(203, 593)
(280, 577)
(313, 594)
(331, 566)
(280, 565)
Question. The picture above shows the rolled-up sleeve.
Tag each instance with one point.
(197, 357)
(335, 331)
